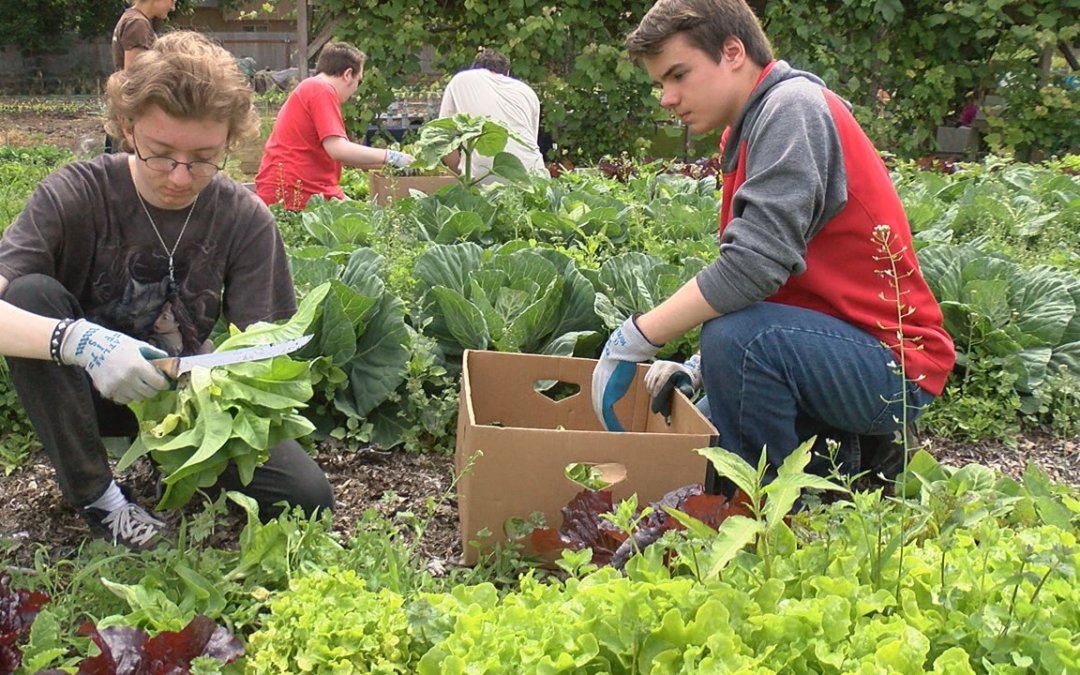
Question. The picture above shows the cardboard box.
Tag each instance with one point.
(385, 188)
(527, 438)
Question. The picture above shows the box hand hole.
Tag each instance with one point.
(556, 390)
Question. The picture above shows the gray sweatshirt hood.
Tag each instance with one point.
(780, 72)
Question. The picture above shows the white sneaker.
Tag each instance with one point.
(130, 525)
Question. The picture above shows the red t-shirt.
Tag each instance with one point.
(295, 165)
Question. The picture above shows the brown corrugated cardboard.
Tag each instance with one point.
(384, 188)
(527, 439)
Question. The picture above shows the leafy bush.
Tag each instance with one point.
(870, 51)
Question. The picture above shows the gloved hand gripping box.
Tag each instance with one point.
(520, 423)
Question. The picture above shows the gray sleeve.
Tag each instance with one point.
(795, 183)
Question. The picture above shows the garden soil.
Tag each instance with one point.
(33, 513)
(80, 128)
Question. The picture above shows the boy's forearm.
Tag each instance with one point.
(683, 311)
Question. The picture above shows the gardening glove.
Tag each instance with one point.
(664, 377)
(116, 363)
(398, 159)
(614, 373)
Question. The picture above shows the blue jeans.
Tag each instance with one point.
(775, 375)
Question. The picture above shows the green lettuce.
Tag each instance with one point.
(225, 414)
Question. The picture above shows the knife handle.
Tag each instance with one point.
(170, 366)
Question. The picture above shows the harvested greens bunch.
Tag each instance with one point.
(228, 413)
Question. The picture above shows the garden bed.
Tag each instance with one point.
(32, 510)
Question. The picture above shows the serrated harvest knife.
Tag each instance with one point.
(178, 365)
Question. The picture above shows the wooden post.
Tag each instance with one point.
(302, 37)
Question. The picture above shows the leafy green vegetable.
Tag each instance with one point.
(339, 223)
(361, 329)
(467, 134)
(595, 476)
(995, 308)
(227, 414)
(516, 299)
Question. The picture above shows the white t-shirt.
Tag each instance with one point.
(512, 102)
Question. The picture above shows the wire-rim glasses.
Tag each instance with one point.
(200, 168)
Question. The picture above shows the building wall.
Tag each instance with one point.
(82, 67)
(209, 19)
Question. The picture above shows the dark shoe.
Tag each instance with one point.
(885, 454)
(130, 525)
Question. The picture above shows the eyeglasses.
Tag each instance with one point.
(199, 168)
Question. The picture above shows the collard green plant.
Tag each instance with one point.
(636, 282)
(513, 299)
(336, 223)
(467, 134)
(361, 328)
(995, 308)
(577, 216)
(456, 214)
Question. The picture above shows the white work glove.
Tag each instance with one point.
(398, 159)
(664, 377)
(117, 364)
(614, 373)
(660, 372)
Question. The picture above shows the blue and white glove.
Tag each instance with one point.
(614, 374)
(398, 159)
(117, 364)
(664, 377)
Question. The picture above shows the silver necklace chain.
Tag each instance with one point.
(176, 244)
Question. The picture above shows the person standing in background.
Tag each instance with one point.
(487, 89)
(133, 35)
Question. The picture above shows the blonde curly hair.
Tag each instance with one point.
(189, 77)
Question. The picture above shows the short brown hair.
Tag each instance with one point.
(189, 77)
(494, 61)
(706, 23)
(337, 57)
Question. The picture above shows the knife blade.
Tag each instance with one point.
(175, 366)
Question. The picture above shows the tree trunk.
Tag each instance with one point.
(302, 37)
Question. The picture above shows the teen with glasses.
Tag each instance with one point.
(130, 257)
